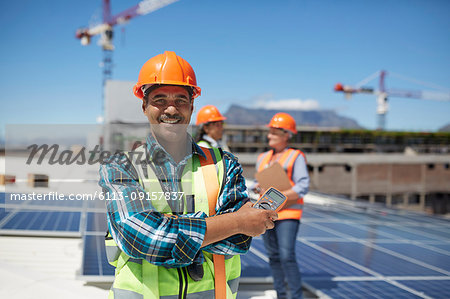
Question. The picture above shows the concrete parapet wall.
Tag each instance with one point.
(437, 177)
(333, 179)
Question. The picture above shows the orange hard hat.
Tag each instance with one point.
(167, 68)
(208, 114)
(283, 121)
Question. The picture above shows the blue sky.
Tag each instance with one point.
(243, 52)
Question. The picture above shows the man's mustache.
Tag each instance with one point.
(165, 117)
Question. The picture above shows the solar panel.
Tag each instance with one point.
(3, 212)
(96, 222)
(430, 287)
(64, 217)
(445, 247)
(313, 262)
(44, 221)
(375, 260)
(95, 263)
(255, 263)
(360, 289)
(428, 256)
(404, 234)
(40, 217)
(431, 230)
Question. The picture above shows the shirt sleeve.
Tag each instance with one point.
(138, 229)
(233, 197)
(300, 176)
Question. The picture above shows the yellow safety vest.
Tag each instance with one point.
(137, 278)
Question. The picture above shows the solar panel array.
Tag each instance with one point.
(344, 250)
(41, 218)
(349, 251)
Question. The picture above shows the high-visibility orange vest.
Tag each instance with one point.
(286, 160)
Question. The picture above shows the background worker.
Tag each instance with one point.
(280, 241)
(173, 246)
(210, 130)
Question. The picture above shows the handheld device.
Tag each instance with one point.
(272, 199)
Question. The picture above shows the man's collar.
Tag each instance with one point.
(157, 152)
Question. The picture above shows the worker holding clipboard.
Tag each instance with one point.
(285, 169)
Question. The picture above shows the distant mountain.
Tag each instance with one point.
(239, 115)
(445, 128)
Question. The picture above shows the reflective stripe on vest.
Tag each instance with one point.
(287, 161)
(137, 278)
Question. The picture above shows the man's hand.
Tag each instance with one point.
(254, 222)
(247, 220)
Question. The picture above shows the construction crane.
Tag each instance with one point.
(383, 93)
(106, 29)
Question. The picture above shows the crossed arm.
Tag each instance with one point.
(142, 232)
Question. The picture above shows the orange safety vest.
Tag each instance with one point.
(286, 160)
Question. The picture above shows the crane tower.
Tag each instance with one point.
(383, 93)
(106, 29)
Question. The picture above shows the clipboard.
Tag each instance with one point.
(273, 176)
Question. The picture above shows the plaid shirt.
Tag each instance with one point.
(171, 241)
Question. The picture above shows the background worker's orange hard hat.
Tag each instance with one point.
(166, 68)
(208, 114)
(283, 121)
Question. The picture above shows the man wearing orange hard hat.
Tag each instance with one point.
(280, 241)
(210, 130)
(166, 238)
